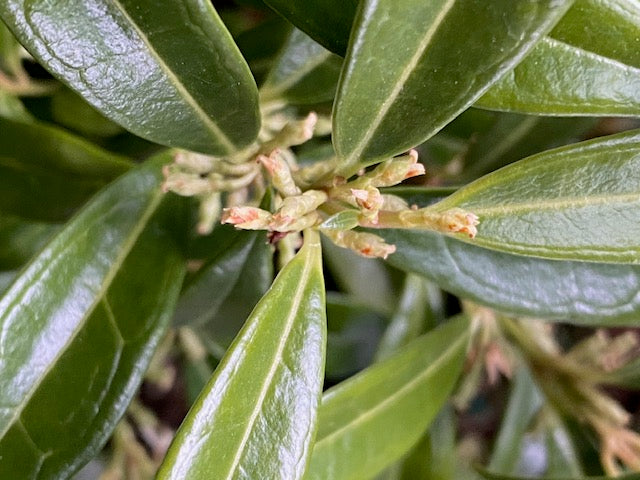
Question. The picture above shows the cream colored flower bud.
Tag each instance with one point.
(280, 173)
(454, 220)
(185, 184)
(363, 243)
(194, 162)
(210, 209)
(369, 200)
(247, 218)
(295, 224)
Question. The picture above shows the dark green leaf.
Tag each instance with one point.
(5, 280)
(304, 73)
(579, 202)
(513, 137)
(369, 421)
(220, 296)
(413, 88)
(328, 22)
(589, 66)
(79, 326)
(257, 416)
(46, 173)
(411, 318)
(524, 403)
(578, 292)
(171, 74)
(71, 111)
(19, 240)
(354, 332)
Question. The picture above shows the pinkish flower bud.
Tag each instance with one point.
(247, 218)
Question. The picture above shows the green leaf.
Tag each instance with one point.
(220, 296)
(413, 88)
(513, 137)
(304, 73)
(372, 419)
(79, 326)
(354, 331)
(171, 75)
(589, 66)
(257, 416)
(47, 173)
(11, 107)
(328, 22)
(6, 278)
(71, 111)
(412, 317)
(579, 202)
(261, 44)
(493, 476)
(20, 240)
(581, 293)
(524, 403)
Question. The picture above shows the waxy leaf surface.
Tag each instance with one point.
(220, 296)
(372, 419)
(579, 202)
(46, 173)
(256, 418)
(400, 85)
(168, 73)
(589, 65)
(582, 293)
(305, 72)
(328, 22)
(79, 326)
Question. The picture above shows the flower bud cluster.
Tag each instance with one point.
(305, 197)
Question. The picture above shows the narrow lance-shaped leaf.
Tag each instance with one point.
(582, 293)
(400, 85)
(305, 72)
(328, 22)
(79, 326)
(256, 417)
(369, 421)
(46, 173)
(172, 74)
(579, 202)
(20, 240)
(220, 296)
(589, 65)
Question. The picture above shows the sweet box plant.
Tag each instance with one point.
(385, 239)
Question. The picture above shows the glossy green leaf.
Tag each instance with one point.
(413, 88)
(578, 292)
(590, 65)
(79, 326)
(71, 111)
(328, 22)
(47, 173)
(349, 271)
(354, 331)
(220, 296)
(305, 72)
(524, 403)
(172, 75)
(262, 43)
(20, 240)
(369, 421)
(513, 137)
(411, 318)
(256, 418)
(493, 476)
(579, 202)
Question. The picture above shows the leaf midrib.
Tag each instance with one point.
(291, 316)
(405, 389)
(127, 246)
(217, 132)
(559, 204)
(399, 84)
